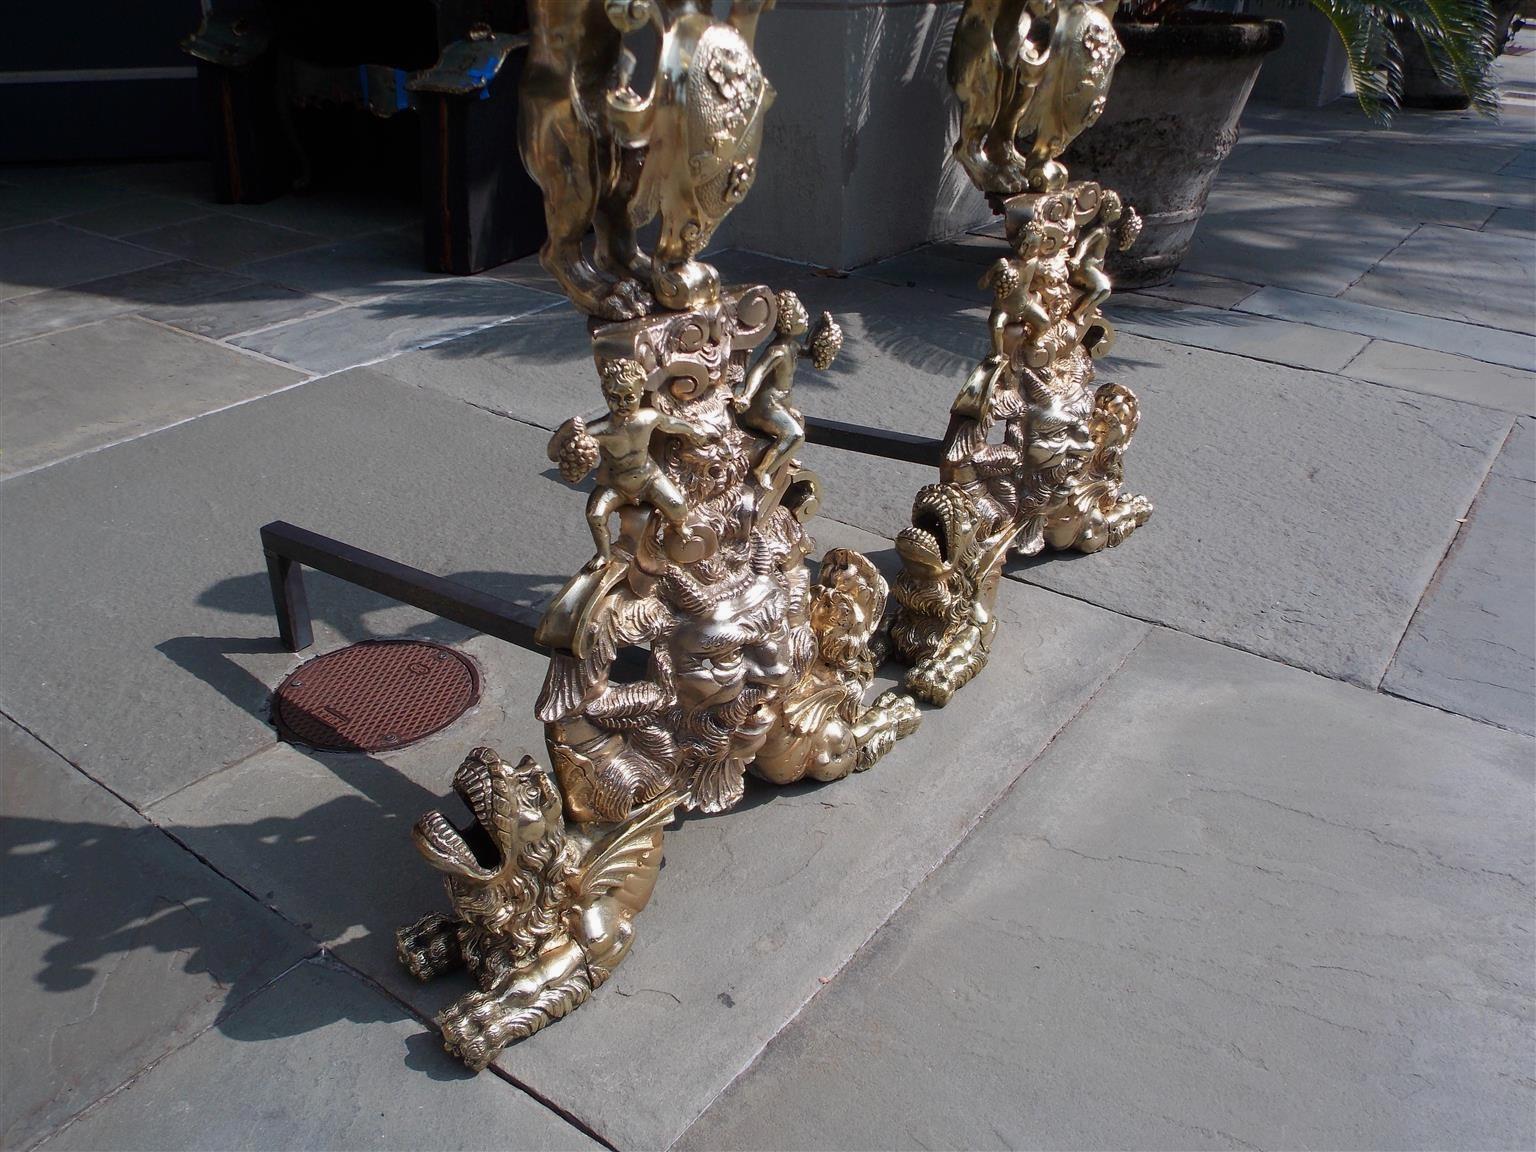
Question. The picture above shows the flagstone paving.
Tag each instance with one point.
(1230, 845)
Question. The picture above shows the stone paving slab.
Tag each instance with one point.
(80, 389)
(1440, 374)
(332, 213)
(252, 1082)
(1299, 244)
(58, 308)
(1474, 341)
(752, 909)
(116, 944)
(1345, 119)
(1476, 277)
(1304, 346)
(225, 241)
(903, 355)
(335, 340)
(361, 268)
(1300, 516)
(536, 368)
(152, 670)
(1193, 288)
(1233, 906)
(34, 195)
(1343, 155)
(1471, 647)
(1419, 188)
(1279, 341)
(38, 256)
(1518, 459)
(244, 308)
(311, 832)
(868, 492)
(1353, 188)
(192, 179)
(1521, 221)
(1261, 546)
(930, 271)
(136, 213)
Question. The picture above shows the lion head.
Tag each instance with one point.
(944, 535)
(506, 871)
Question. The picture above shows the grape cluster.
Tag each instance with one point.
(579, 454)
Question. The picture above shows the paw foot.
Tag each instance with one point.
(429, 947)
(626, 300)
(473, 1028)
(903, 712)
(931, 681)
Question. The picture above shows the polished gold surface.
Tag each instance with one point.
(543, 923)
(610, 160)
(695, 646)
(1033, 452)
(1030, 76)
(749, 665)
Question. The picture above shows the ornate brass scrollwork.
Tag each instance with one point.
(697, 518)
(1033, 456)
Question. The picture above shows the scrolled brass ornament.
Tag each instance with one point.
(697, 515)
(1033, 455)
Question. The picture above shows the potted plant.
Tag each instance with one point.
(1177, 96)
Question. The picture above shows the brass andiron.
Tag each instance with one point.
(1033, 453)
(697, 519)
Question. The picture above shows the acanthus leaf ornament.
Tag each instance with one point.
(1033, 455)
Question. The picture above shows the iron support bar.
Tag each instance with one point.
(288, 547)
(874, 441)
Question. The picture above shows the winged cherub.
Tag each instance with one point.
(619, 445)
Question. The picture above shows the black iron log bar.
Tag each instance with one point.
(874, 441)
(290, 549)
(287, 547)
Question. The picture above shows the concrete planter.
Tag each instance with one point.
(1422, 88)
(855, 162)
(1171, 120)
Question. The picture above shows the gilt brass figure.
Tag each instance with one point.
(697, 519)
(610, 160)
(1033, 452)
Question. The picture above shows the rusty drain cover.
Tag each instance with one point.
(374, 696)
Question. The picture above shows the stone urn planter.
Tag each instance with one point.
(1422, 88)
(1170, 122)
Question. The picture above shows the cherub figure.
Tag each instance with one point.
(619, 445)
(764, 395)
(1014, 304)
(1011, 279)
(1117, 223)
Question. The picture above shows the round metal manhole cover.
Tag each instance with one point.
(375, 696)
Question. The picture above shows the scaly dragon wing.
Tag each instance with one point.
(619, 855)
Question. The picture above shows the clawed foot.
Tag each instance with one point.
(480, 1024)
(429, 947)
(477, 1026)
(939, 677)
(932, 681)
(892, 717)
(626, 300)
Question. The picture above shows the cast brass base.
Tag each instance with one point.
(1033, 453)
(750, 664)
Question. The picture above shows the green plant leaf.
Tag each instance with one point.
(1460, 39)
